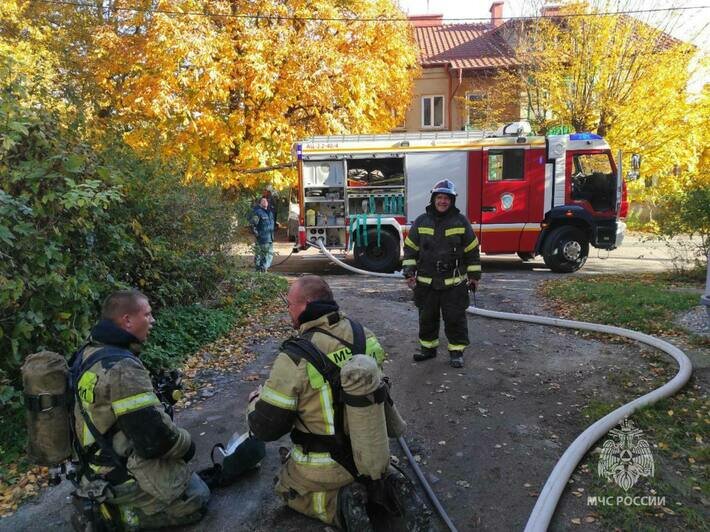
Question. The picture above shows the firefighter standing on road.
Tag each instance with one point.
(441, 262)
(297, 399)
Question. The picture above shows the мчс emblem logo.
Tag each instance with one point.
(627, 457)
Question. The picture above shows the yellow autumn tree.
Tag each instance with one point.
(623, 78)
(227, 87)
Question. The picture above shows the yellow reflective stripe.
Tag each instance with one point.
(425, 280)
(427, 343)
(426, 230)
(453, 280)
(86, 437)
(456, 347)
(471, 245)
(474, 268)
(409, 262)
(326, 404)
(134, 402)
(311, 459)
(454, 231)
(375, 350)
(277, 399)
(319, 504)
(408, 242)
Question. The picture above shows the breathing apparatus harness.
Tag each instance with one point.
(339, 445)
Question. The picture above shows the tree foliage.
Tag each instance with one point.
(228, 86)
(81, 215)
(620, 77)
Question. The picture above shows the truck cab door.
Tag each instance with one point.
(504, 198)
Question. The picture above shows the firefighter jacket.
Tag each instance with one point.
(119, 398)
(262, 224)
(441, 250)
(296, 396)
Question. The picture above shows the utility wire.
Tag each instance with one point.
(355, 19)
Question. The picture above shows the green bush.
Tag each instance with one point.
(78, 221)
(180, 331)
(688, 213)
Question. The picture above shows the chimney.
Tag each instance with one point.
(551, 10)
(419, 21)
(496, 14)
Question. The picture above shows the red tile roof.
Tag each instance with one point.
(470, 46)
(479, 46)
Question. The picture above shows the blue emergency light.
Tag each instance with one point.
(584, 136)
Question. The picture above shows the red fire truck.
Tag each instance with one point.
(532, 195)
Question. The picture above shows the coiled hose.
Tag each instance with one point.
(544, 508)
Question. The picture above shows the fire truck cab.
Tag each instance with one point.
(553, 196)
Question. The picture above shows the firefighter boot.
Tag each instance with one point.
(425, 353)
(352, 508)
(456, 360)
(401, 494)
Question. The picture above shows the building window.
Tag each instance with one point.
(432, 111)
(506, 165)
(476, 103)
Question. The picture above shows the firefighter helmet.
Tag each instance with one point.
(445, 186)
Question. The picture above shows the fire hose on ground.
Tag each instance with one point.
(544, 508)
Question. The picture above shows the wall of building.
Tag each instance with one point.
(435, 82)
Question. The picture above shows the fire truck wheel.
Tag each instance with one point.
(565, 249)
(382, 258)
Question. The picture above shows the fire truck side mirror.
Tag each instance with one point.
(635, 172)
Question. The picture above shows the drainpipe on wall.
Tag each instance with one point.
(453, 92)
(451, 97)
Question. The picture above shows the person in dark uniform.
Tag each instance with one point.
(441, 262)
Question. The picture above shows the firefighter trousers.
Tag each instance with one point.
(449, 303)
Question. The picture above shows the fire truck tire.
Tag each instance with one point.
(384, 258)
(565, 249)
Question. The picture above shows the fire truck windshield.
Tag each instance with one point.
(593, 180)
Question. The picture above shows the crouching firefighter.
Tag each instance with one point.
(326, 388)
(133, 459)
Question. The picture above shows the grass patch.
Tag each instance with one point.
(177, 334)
(645, 303)
(677, 427)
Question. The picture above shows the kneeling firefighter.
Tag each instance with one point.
(133, 471)
(326, 388)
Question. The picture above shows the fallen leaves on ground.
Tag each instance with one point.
(24, 485)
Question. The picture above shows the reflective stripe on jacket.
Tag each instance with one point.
(296, 396)
(441, 250)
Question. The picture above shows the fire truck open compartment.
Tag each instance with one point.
(336, 190)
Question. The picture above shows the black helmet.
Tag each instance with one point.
(445, 186)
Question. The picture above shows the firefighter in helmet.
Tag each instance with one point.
(318, 477)
(441, 262)
(133, 457)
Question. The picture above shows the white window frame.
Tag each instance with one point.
(431, 107)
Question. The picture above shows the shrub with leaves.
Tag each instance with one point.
(687, 212)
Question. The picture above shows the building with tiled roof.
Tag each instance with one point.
(457, 63)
